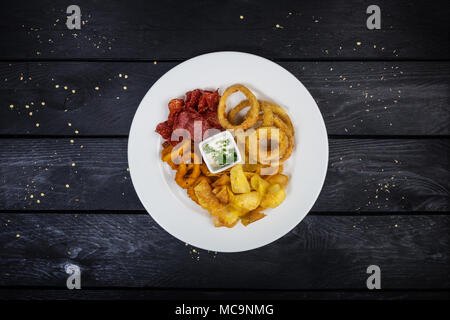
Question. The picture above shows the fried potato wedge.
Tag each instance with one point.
(224, 179)
(222, 194)
(226, 216)
(239, 182)
(274, 196)
(259, 184)
(252, 216)
(206, 197)
(191, 193)
(280, 179)
(246, 201)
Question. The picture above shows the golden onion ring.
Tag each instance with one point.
(283, 127)
(262, 117)
(274, 115)
(252, 115)
(233, 112)
(267, 113)
(282, 114)
(265, 133)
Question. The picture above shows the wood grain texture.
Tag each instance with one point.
(364, 175)
(178, 29)
(202, 294)
(323, 252)
(70, 199)
(355, 98)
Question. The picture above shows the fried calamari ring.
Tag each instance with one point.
(268, 134)
(170, 153)
(166, 157)
(252, 115)
(167, 148)
(187, 174)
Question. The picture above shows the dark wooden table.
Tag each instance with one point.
(65, 192)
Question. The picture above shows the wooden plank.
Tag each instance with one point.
(191, 294)
(179, 29)
(355, 98)
(364, 175)
(323, 252)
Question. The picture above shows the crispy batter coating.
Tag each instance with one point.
(252, 115)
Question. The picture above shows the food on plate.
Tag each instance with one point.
(222, 193)
(252, 216)
(223, 180)
(198, 105)
(187, 174)
(206, 197)
(259, 184)
(226, 216)
(250, 118)
(220, 152)
(273, 197)
(246, 201)
(238, 180)
(280, 113)
(280, 179)
(233, 113)
(232, 181)
(267, 138)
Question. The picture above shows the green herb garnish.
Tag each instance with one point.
(207, 148)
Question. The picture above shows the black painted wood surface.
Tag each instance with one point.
(364, 175)
(384, 96)
(37, 293)
(173, 30)
(355, 98)
(122, 250)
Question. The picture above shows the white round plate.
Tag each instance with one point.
(170, 206)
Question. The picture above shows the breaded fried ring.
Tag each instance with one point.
(185, 179)
(267, 113)
(252, 115)
(272, 155)
(167, 157)
(264, 117)
(282, 114)
(283, 127)
(233, 112)
(176, 153)
(275, 115)
(166, 149)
